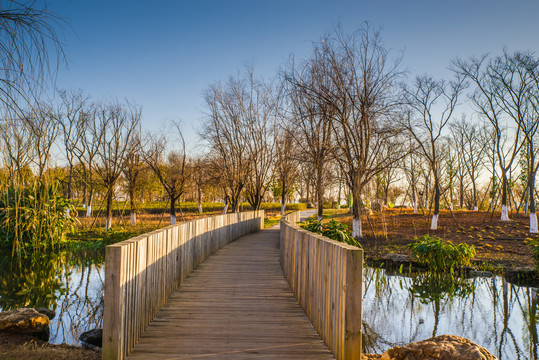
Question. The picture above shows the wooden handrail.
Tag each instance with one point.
(142, 272)
(326, 277)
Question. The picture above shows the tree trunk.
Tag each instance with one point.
(533, 215)
(172, 211)
(225, 203)
(461, 195)
(474, 189)
(283, 198)
(434, 221)
(110, 194)
(199, 198)
(133, 209)
(356, 215)
(84, 185)
(70, 183)
(504, 215)
(320, 193)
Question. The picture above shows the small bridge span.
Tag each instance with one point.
(286, 294)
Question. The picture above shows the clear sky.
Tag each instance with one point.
(164, 54)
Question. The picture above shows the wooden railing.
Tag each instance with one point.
(326, 277)
(141, 273)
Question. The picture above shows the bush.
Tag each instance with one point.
(440, 255)
(333, 230)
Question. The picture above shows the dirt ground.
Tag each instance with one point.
(497, 243)
(15, 347)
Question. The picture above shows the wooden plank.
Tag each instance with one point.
(236, 304)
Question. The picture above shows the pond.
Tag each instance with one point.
(70, 283)
(491, 312)
(397, 309)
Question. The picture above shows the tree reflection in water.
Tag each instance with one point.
(70, 283)
(400, 309)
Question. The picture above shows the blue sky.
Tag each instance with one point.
(164, 54)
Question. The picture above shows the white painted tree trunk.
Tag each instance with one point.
(67, 212)
(172, 219)
(533, 223)
(133, 219)
(108, 224)
(475, 208)
(84, 206)
(199, 208)
(356, 228)
(283, 207)
(505, 213)
(89, 211)
(434, 222)
(225, 209)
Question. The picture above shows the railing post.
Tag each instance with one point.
(113, 309)
(353, 299)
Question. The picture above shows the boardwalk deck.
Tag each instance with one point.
(235, 305)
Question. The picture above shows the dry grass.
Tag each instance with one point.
(17, 347)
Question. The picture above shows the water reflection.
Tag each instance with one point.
(70, 283)
(497, 315)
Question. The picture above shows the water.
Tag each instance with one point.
(497, 315)
(397, 309)
(71, 284)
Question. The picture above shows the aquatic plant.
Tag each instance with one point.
(332, 229)
(440, 255)
(34, 216)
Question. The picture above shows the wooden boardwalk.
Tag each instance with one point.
(235, 305)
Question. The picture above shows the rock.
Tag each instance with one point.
(25, 321)
(443, 347)
(47, 312)
(93, 337)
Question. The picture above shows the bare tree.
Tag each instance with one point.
(133, 166)
(310, 117)
(87, 150)
(355, 84)
(487, 99)
(424, 98)
(469, 147)
(43, 122)
(200, 178)
(73, 106)
(170, 168)
(226, 131)
(286, 167)
(116, 125)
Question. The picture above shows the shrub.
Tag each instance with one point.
(440, 255)
(333, 230)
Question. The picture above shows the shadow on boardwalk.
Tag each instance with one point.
(235, 305)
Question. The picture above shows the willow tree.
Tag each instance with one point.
(30, 51)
